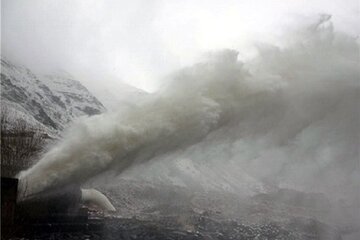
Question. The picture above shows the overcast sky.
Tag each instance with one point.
(140, 41)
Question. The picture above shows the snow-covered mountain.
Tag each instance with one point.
(114, 94)
(47, 102)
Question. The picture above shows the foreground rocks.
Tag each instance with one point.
(172, 213)
(198, 227)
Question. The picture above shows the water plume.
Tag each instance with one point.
(290, 116)
(93, 196)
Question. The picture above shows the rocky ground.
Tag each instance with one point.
(147, 211)
(202, 228)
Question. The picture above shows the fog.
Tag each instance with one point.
(288, 117)
(141, 41)
(246, 95)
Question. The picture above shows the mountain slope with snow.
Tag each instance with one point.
(113, 93)
(46, 102)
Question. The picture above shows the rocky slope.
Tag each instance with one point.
(46, 102)
(196, 214)
(114, 94)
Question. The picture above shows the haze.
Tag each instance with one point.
(141, 41)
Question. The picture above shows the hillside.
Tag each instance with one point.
(46, 102)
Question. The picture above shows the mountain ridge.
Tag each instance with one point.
(46, 102)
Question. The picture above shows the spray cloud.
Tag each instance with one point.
(288, 116)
